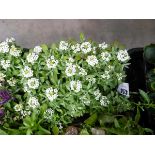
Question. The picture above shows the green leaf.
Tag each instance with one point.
(82, 37)
(148, 130)
(43, 131)
(137, 117)
(44, 47)
(144, 95)
(116, 123)
(55, 130)
(91, 120)
(29, 132)
(2, 132)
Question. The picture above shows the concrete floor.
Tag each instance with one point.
(28, 33)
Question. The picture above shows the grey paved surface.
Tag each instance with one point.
(28, 33)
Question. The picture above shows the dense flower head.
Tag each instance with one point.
(86, 47)
(76, 48)
(103, 45)
(123, 55)
(92, 60)
(2, 76)
(76, 86)
(70, 69)
(14, 51)
(33, 83)
(5, 64)
(63, 45)
(104, 101)
(51, 93)
(33, 102)
(48, 114)
(4, 47)
(32, 57)
(12, 81)
(51, 62)
(106, 56)
(37, 49)
(27, 72)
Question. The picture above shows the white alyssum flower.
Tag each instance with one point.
(106, 75)
(123, 55)
(94, 50)
(119, 76)
(92, 60)
(10, 40)
(82, 71)
(76, 86)
(48, 114)
(5, 64)
(4, 47)
(2, 76)
(86, 47)
(71, 60)
(70, 69)
(103, 45)
(97, 94)
(91, 79)
(12, 82)
(84, 99)
(32, 57)
(104, 101)
(110, 68)
(106, 56)
(63, 45)
(27, 72)
(37, 49)
(51, 62)
(18, 107)
(76, 48)
(33, 102)
(26, 88)
(51, 93)
(14, 51)
(25, 113)
(33, 83)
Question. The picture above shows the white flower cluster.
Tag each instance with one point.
(32, 57)
(76, 86)
(5, 64)
(85, 100)
(91, 79)
(33, 83)
(71, 60)
(51, 62)
(2, 76)
(119, 76)
(14, 51)
(4, 47)
(27, 72)
(63, 45)
(51, 93)
(86, 47)
(18, 107)
(92, 60)
(37, 49)
(123, 55)
(12, 82)
(106, 75)
(82, 71)
(97, 94)
(106, 56)
(48, 114)
(70, 69)
(104, 101)
(76, 48)
(33, 102)
(103, 45)
(10, 40)
(25, 113)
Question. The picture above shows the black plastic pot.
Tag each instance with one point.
(136, 77)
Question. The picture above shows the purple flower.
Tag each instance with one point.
(5, 96)
(1, 112)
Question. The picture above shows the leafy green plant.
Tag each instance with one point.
(53, 85)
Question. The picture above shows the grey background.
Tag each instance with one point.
(31, 32)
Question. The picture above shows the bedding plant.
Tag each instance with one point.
(51, 86)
